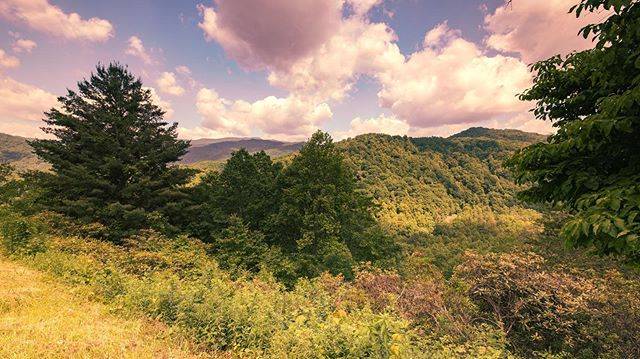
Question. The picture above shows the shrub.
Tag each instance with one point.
(543, 311)
(21, 236)
(425, 301)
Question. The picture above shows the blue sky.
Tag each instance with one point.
(396, 84)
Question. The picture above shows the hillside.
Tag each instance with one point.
(417, 182)
(464, 244)
(16, 150)
(507, 135)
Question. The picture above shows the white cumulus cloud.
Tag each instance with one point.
(136, 48)
(168, 84)
(285, 118)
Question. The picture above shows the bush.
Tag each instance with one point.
(553, 311)
(21, 236)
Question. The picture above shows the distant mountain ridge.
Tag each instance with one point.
(217, 150)
(414, 182)
(16, 151)
(510, 135)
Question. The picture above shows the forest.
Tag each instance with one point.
(485, 244)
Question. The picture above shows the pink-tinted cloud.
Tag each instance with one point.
(538, 29)
(362, 7)
(23, 45)
(19, 101)
(7, 61)
(136, 48)
(284, 118)
(440, 36)
(453, 81)
(359, 47)
(381, 124)
(449, 81)
(168, 84)
(45, 17)
(270, 33)
(185, 72)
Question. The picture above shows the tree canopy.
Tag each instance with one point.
(591, 166)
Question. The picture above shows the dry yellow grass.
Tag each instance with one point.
(40, 318)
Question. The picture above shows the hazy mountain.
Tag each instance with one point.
(221, 149)
(16, 150)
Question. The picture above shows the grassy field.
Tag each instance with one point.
(40, 318)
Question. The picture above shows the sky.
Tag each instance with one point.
(282, 69)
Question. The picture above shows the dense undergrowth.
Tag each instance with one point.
(486, 304)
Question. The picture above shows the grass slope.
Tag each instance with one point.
(42, 319)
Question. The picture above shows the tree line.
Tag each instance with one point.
(113, 171)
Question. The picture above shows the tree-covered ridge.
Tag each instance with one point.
(506, 134)
(417, 182)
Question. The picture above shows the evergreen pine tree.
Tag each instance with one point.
(112, 153)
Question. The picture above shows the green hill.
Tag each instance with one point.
(508, 135)
(417, 182)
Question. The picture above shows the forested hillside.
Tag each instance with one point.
(417, 182)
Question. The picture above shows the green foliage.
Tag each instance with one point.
(478, 229)
(297, 220)
(176, 282)
(591, 165)
(6, 190)
(494, 301)
(20, 236)
(240, 249)
(552, 311)
(322, 220)
(418, 182)
(111, 159)
(246, 187)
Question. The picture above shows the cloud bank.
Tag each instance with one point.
(318, 50)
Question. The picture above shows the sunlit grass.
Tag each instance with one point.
(43, 319)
